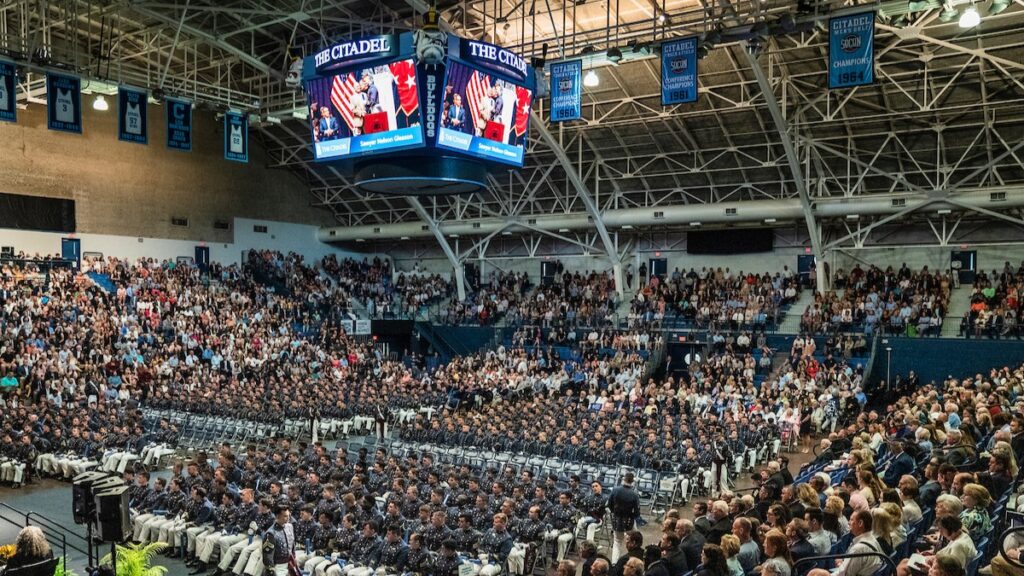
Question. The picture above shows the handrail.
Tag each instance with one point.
(1002, 546)
(51, 529)
(816, 559)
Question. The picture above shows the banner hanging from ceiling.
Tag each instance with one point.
(132, 125)
(851, 50)
(679, 72)
(64, 103)
(566, 90)
(8, 85)
(236, 136)
(179, 124)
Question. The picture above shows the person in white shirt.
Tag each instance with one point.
(863, 542)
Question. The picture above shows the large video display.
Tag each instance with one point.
(484, 115)
(365, 111)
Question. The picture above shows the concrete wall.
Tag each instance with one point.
(282, 236)
(133, 190)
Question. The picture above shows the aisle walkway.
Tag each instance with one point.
(791, 323)
(959, 304)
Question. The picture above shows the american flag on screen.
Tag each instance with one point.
(476, 90)
(342, 89)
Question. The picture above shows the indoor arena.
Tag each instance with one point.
(511, 287)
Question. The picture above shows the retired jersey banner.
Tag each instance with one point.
(8, 85)
(236, 136)
(851, 50)
(131, 115)
(179, 124)
(566, 90)
(64, 103)
(679, 72)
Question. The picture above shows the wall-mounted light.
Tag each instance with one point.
(591, 80)
(100, 103)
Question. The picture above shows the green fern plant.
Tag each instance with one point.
(63, 570)
(136, 559)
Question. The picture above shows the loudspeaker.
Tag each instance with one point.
(82, 505)
(112, 517)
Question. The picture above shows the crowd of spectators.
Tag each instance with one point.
(503, 296)
(996, 304)
(903, 301)
(715, 298)
(572, 298)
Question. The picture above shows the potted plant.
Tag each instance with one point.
(136, 559)
(63, 570)
(6, 552)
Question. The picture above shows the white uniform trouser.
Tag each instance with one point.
(279, 570)
(228, 548)
(47, 463)
(684, 488)
(73, 466)
(137, 524)
(707, 480)
(154, 452)
(722, 473)
(317, 565)
(618, 544)
(590, 524)
(151, 529)
(737, 462)
(751, 457)
(12, 471)
(206, 544)
(171, 534)
(563, 539)
(517, 558)
(192, 534)
(242, 552)
(254, 565)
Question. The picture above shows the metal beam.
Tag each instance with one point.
(242, 55)
(460, 274)
(581, 190)
(793, 159)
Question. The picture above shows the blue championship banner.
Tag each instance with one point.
(179, 124)
(64, 103)
(8, 85)
(236, 136)
(566, 90)
(132, 125)
(851, 50)
(679, 71)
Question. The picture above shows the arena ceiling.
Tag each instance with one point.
(944, 117)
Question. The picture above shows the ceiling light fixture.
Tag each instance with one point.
(100, 103)
(970, 18)
(614, 55)
(591, 80)
(998, 6)
(949, 13)
(661, 18)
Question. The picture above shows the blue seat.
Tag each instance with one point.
(972, 566)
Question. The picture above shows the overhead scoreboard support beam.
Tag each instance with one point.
(584, 193)
(793, 159)
(460, 273)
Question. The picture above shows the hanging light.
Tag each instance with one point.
(661, 18)
(970, 18)
(100, 103)
(591, 80)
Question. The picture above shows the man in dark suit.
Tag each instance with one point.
(799, 546)
(690, 541)
(721, 524)
(499, 104)
(456, 119)
(672, 555)
(700, 517)
(1017, 438)
(900, 464)
(931, 488)
(634, 549)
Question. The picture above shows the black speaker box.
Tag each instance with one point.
(112, 519)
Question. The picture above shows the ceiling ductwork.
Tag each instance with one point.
(749, 212)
